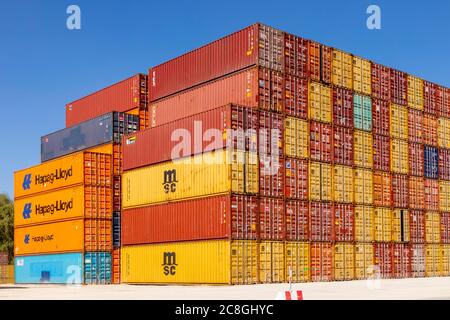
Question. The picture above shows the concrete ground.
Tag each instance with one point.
(421, 288)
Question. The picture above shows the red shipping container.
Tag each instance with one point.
(295, 56)
(271, 132)
(255, 45)
(415, 126)
(296, 97)
(418, 260)
(416, 193)
(430, 130)
(383, 259)
(381, 82)
(431, 194)
(162, 143)
(400, 190)
(429, 95)
(401, 260)
(415, 158)
(319, 62)
(321, 221)
(320, 141)
(271, 219)
(123, 96)
(321, 261)
(297, 220)
(381, 153)
(343, 146)
(445, 111)
(271, 176)
(399, 89)
(382, 189)
(417, 226)
(344, 222)
(381, 117)
(444, 164)
(441, 108)
(296, 183)
(445, 227)
(342, 107)
(218, 217)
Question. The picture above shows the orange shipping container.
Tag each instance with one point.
(430, 130)
(381, 189)
(416, 193)
(431, 194)
(321, 261)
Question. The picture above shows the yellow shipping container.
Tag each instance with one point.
(104, 148)
(362, 80)
(343, 184)
(433, 260)
(6, 274)
(203, 175)
(320, 102)
(432, 227)
(399, 156)
(364, 260)
(211, 261)
(342, 69)
(296, 137)
(383, 224)
(364, 224)
(399, 122)
(271, 261)
(444, 133)
(400, 225)
(363, 186)
(363, 144)
(297, 256)
(344, 261)
(320, 181)
(415, 92)
(444, 195)
(445, 248)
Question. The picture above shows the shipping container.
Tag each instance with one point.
(342, 74)
(363, 186)
(383, 223)
(116, 258)
(363, 149)
(433, 260)
(97, 268)
(321, 261)
(399, 90)
(320, 181)
(445, 111)
(297, 259)
(445, 249)
(431, 165)
(432, 227)
(364, 260)
(399, 156)
(199, 176)
(439, 97)
(429, 96)
(296, 138)
(362, 112)
(401, 260)
(416, 193)
(418, 260)
(115, 151)
(415, 93)
(431, 195)
(444, 164)
(319, 62)
(381, 82)
(255, 45)
(381, 153)
(383, 259)
(295, 56)
(271, 176)
(445, 227)
(270, 90)
(202, 262)
(430, 130)
(444, 133)
(417, 226)
(271, 261)
(399, 122)
(400, 225)
(344, 261)
(343, 146)
(296, 97)
(321, 221)
(382, 191)
(415, 126)
(343, 188)
(415, 158)
(296, 182)
(342, 107)
(117, 193)
(271, 128)
(400, 190)
(364, 224)
(381, 118)
(117, 229)
(344, 222)
(131, 93)
(362, 81)
(444, 196)
(320, 102)
(271, 219)
(297, 220)
(320, 142)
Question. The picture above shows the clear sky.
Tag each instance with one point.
(43, 65)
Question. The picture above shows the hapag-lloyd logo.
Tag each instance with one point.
(58, 174)
(56, 207)
(39, 238)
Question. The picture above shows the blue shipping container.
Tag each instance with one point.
(116, 229)
(97, 268)
(362, 112)
(431, 164)
(104, 129)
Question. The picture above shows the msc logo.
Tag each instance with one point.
(169, 263)
(26, 185)
(170, 181)
(27, 211)
(27, 239)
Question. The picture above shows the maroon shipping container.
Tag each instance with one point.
(271, 176)
(321, 221)
(417, 226)
(429, 95)
(430, 130)
(296, 97)
(383, 259)
(401, 260)
(445, 227)
(400, 190)
(342, 107)
(431, 194)
(418, 260)
(381, 117)
(297, 220)
(123, 96)
(444, 164)
(218, 217)
(344, 222)
(439, 98)
(415, 158)
(381, 82)
(255, 45)
(381, 152)
(445, 111)
(296, 182)
(320, 141)
(321, 261)
(271, 134)
(415, 126)
(168, 142)
(319, 62)
(295, 56)
(271, 219)
(343, 146)
(399, 89)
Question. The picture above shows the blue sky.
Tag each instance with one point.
(43, 65)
